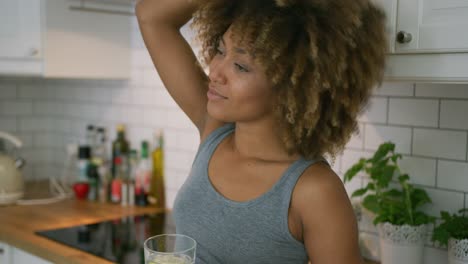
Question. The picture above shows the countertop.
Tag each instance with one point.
(18, 225)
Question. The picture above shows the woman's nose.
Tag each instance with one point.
(216, 74)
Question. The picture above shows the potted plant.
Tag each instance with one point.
(453, 232)
(395, 209)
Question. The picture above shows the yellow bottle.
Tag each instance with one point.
(157, 191)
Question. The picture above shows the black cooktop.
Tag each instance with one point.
(119, 240)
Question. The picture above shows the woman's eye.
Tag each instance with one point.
(240, 67)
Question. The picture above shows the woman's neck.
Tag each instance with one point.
(259, 141)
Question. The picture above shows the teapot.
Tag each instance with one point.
(11, 178)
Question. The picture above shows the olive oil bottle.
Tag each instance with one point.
(157, 191)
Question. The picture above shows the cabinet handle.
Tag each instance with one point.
(404, 37)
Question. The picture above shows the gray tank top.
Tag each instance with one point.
(231, 232)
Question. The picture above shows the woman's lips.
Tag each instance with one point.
(214, 95)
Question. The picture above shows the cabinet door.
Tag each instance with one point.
(20, 29)
(434, 25)
(21, 257)
(85, 44)
(5, 257)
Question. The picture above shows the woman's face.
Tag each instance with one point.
(239, 89)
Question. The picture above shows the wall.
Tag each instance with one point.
(427, 122)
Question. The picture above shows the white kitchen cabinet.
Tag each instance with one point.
(12, 255)
(5, 253)
(19, 256)
(435, 26)
(428, 40)
(49, 38)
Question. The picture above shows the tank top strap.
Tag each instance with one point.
(294, 172)
(208, 146)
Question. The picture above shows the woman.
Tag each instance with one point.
(286, 81)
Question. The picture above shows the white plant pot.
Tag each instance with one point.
(401, 244)
(458, 251)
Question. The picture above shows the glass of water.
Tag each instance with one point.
(170, 249)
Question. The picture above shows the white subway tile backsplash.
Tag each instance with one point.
(36, 124)
(375, 111)
(416, 112)
(140, 58)
(62, 125)
(453, 114)
(47, 108)
(155, 117)
(376, 135)
(350, 157)
(151, 78)
(100, 95)
(26, 138)
(144, 97)
(440, 143)
(7, 91)
(443, 200)
(453, 175)
(8, 124)
(16, 108)
(122, 96)
(164, 99)
(188, 141)
(36, 91)
(440, 90)
(178, 160)
(171, 139)
(357, 139)
(178, 119)
(136, 78)
(395, 89)
(49, 140)
(132, 116)
(422, 171)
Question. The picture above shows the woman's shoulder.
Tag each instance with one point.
(319, 188)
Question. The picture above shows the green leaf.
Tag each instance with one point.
(383, 150)
(350, 173)
(359, 192)
(386, 176)
(371, 203)
(396, 157)
(403, 178)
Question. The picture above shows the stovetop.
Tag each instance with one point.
(119, 240)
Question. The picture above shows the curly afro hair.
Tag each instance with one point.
(323, 56)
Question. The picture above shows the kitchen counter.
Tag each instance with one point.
(18, 225)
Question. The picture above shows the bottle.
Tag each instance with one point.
(93, 178)
(133, 171)
(143, 176)
(84, 155)
(91, 138)
(116, 183)
(157, 190)
(120, 147)
(99, 151)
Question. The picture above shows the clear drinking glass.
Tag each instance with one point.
(170, 249)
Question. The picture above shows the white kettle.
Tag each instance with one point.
(11, 178)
